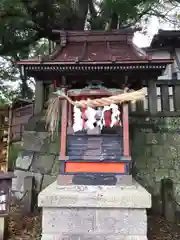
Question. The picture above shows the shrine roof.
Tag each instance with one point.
(165, 38)
(93, 48)
(97, 47)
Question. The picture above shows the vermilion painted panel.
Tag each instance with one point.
(96, 167)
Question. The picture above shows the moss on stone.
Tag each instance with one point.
(156, 151)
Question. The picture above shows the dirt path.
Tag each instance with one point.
(159, 229)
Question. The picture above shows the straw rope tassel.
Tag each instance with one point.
(53, 115)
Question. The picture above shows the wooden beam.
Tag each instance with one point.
(158, 114)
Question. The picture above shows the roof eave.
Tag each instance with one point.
(108, 68)
(126, 62)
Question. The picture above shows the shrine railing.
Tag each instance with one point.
(162, 100)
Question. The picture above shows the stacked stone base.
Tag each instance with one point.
(72, 212)
(92, 237)
(86, 224)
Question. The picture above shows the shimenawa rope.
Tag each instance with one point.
(106, 101)
(54, 105)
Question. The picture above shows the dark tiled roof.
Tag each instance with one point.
(98, 52)
(98, 47)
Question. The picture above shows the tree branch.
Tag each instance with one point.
(92, 9)
(138, 18)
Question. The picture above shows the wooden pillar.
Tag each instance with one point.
(83, 109)
(176, 94)
(165, 106)
(152, 97)
(168, 200)
(70, 107)
(64, 120)
(39, 97)
(9, 135)
(51, 89)
(55, 85)
(125, 121)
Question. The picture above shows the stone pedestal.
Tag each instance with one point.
(81, 212)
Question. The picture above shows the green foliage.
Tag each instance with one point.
(128, 12)
(13, 84)
(24, 22)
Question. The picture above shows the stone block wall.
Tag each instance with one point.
(156, 153)
(39, 158)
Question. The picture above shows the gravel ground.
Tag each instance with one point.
(29, 227)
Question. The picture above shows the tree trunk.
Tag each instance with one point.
(83, 10)
(24, 89)
(114, 21)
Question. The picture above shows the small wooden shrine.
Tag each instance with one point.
(99, 66)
